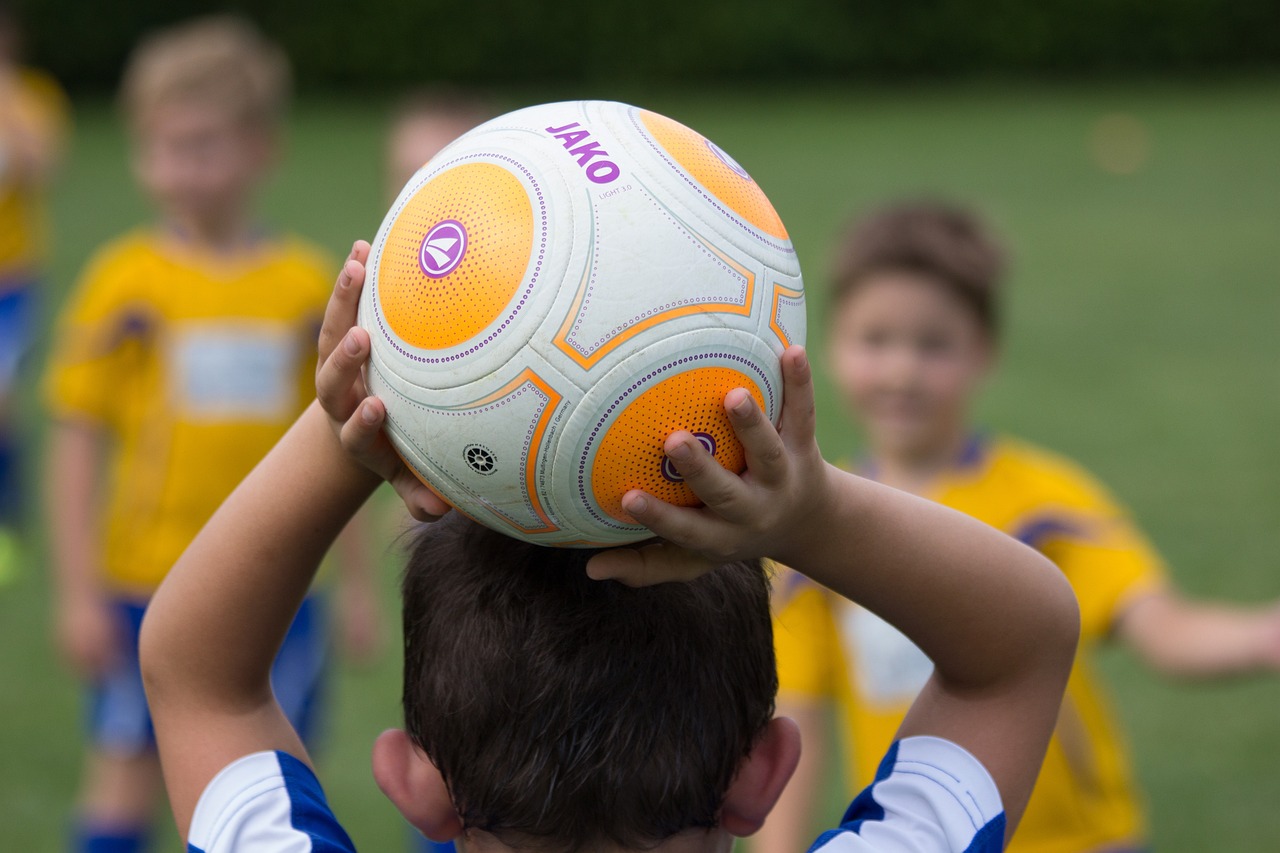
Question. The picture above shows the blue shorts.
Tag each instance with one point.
(120, 723)
(17, 328)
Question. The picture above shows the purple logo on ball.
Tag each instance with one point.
(668, 470)
(442, 249)
(728, 161)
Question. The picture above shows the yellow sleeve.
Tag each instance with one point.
(805, 638)
(99, 339)
(1106, 559)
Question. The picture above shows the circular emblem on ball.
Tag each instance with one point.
(668, 470)
(443, 248)
(728, 161)
(480, 458)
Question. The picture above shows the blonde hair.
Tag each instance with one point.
(221, 61)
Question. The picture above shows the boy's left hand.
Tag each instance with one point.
(770, 510)
(355, 417)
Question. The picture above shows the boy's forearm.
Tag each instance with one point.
(1194, 639)
(216, 623)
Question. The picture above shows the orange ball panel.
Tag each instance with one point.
(496, 218)
(734, 190)
(630, 454)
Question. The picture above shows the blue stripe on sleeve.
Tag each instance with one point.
(1035, 532)
(311, 814)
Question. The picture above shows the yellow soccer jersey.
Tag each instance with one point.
(36, 102)
(195, 366)
(831, 649)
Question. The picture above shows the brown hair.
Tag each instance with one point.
(221, 61)
(943, 242)
(569, 714)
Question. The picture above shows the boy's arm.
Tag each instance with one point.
(215, 625)
(85, 630)
(1200, 639)
(217, 621)
(999, 621)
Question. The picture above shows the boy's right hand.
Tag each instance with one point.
(772, 509)
(355, 417)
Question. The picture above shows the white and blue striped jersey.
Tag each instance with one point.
(267, 802)
(929, 796)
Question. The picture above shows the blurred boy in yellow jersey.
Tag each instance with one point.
(913, 335)
(183, 356)
(33, 115)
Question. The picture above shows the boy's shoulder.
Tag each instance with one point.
(307, 258)
(142, 249)
(121, 256)
(1018, 467)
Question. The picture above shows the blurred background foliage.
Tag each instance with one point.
(341, 44)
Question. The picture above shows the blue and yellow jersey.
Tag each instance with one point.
(830, 649)
(194, 365)
(37, 105)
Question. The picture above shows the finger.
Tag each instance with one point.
(360, 252)
(422, 503)
(720, 489)
(695, 528)
(339, 387)
(363, 429)
(799, 416)
(660, 562)
(340, 313)
(765, 452)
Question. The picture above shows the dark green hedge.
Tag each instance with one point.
(349, 43)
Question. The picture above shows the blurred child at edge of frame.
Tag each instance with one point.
(184, 353)
(913, 335)
(33, 119)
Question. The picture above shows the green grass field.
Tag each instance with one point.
(1142, 340)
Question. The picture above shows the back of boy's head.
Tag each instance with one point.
(570, 714)
(944, 243)
(221, 62)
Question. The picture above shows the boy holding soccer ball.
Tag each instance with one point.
(549, 706)
(913, 335)
(184, 354)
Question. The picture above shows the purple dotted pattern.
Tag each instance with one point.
(676, 365)
(785, 248)
(587, 349)
(528, 290)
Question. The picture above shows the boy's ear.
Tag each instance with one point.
(761, 776)
(414, 785)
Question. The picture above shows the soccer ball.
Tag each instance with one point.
(554, 294)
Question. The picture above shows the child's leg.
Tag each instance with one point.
(117, 803)
(121, 782)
